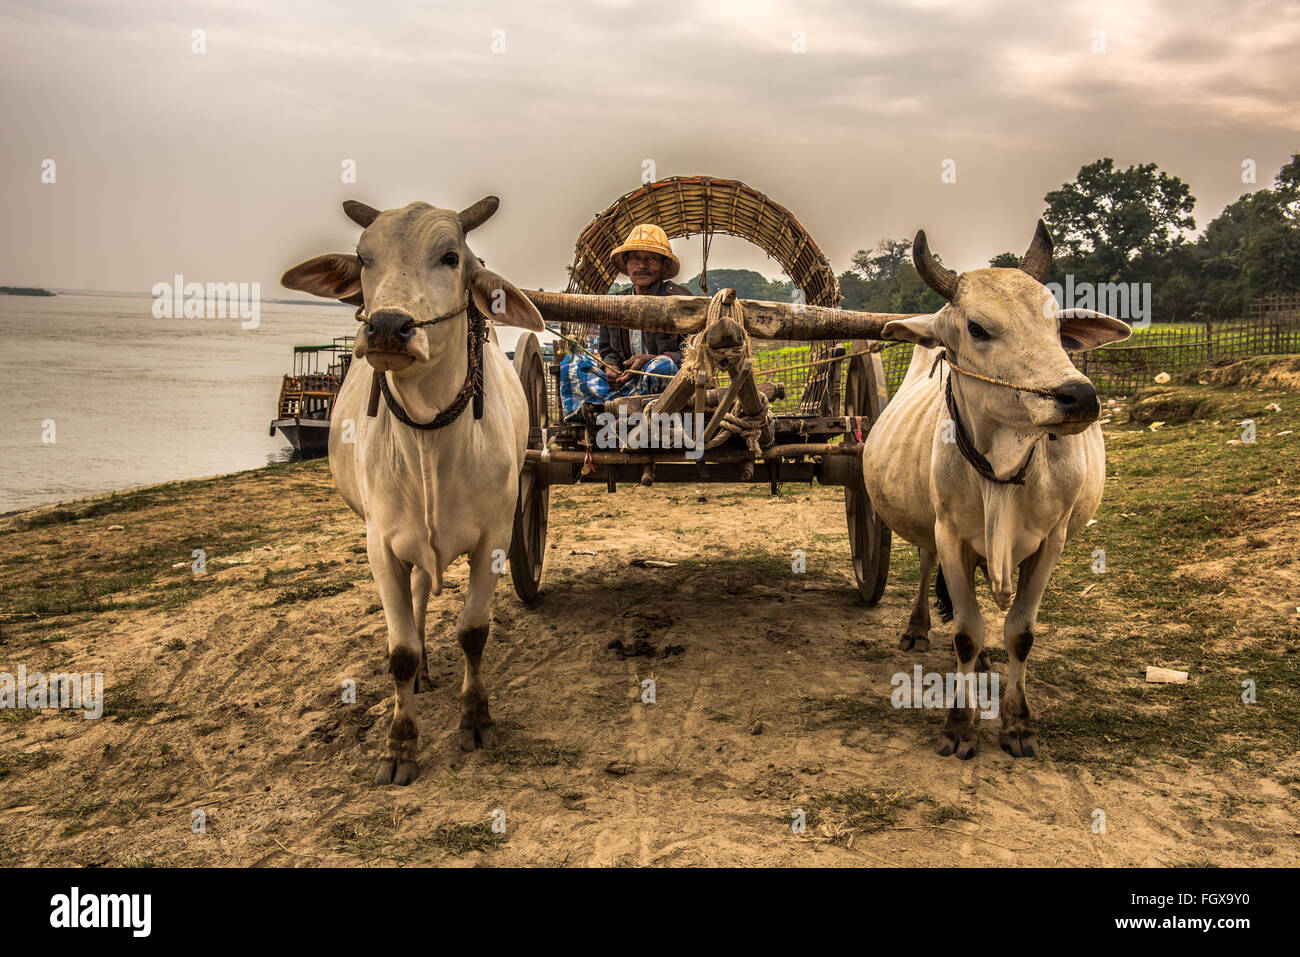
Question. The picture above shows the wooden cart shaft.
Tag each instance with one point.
(687, 315)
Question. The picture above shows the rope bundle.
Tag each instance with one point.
(756, 430)
(696, 355)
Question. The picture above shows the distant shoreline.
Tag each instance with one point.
(25, 291)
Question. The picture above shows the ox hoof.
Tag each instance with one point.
(1018, 742)
(914, 642)
(395, 771)
(963, 747)
(423, 682)
(482, 736)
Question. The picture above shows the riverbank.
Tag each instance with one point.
(224, 689)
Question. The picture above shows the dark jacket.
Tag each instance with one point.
(610, 343)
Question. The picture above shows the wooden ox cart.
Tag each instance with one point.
(768, 420)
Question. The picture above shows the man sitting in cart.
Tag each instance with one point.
(632, 362)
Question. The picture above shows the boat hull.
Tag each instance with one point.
(310, 438)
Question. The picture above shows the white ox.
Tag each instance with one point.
(428, 495)
(1005, 482)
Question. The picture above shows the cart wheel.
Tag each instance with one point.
(528, 543)
(865, 395)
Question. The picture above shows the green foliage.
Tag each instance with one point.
(883, 279)
(747, 283)
(905, 291)
(884, 262)
(1253, 247)
(1127, 226)
(1107, 217)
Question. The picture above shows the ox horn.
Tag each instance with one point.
(360, 213)
(938, 277)
(479, 213)
(684, 315)
(1037, 260)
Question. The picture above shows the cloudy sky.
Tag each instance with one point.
(226, 165)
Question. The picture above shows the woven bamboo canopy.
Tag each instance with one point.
(688, 205)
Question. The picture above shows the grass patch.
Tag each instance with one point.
(29, 761)
(367, 836)
(949, 812)
(309, 592)
(459, 839)
(856, 711)
(126, 704)
(534, 754)
(861, 809)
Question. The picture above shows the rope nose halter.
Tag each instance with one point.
(362, 317)
(964, 444)
(472, 388)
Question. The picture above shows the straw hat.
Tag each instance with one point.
(646, 237)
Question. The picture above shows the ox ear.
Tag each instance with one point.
(499, 299)
(333, 276)
(1083, 329)
(918, 329)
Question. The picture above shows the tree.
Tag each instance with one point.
(747, 283)
(1252, 248)
(1005, 261)
(882, 263)
(1108, 218)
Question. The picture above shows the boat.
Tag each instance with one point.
(307, 395)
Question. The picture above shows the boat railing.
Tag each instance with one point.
(308, 396)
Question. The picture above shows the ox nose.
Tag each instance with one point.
(390, 330)
(1078, 400)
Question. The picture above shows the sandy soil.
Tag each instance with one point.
(772, 695)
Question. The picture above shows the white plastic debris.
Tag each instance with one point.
(1272, 407)
(1162, 378)
(1156, 425)
(1165, 676)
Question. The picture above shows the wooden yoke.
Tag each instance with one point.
(689, 314)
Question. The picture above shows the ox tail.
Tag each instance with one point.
(429, 487)
(942, 600)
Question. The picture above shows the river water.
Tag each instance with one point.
(137, 400)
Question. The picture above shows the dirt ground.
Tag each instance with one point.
(225, 695)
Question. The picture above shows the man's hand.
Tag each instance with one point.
(613, 374)
(632, 364)
(637, 361)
